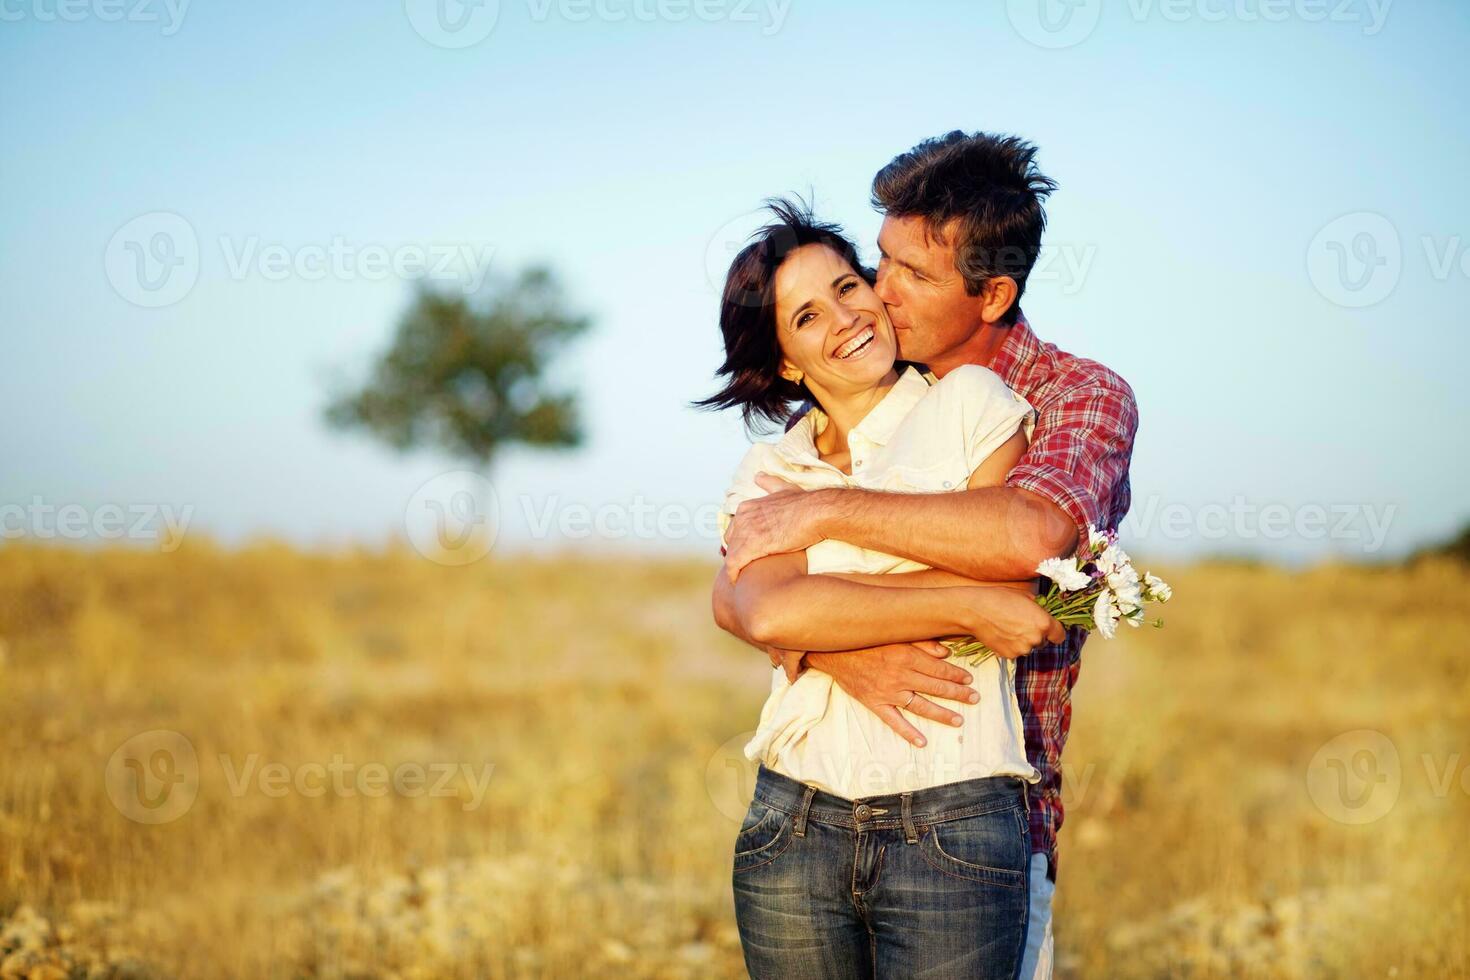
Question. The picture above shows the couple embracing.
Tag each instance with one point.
(936, 451)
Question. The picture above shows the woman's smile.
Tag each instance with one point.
(856, 347)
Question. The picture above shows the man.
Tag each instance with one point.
(963, 219)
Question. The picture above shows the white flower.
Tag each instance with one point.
(1065, 573)
(1156, 589)
(1128, 599)
(1135, 618)
(1105, 615)
(1120, 575)
(1096, 540)
(1115, 559)
(1123, 580)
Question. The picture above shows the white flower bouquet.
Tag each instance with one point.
(1096, 591)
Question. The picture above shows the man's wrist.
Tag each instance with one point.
(834, 511)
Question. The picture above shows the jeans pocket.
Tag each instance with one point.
(764, 834)
(989, 847)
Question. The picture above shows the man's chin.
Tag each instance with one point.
(900, 338)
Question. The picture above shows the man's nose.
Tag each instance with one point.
(880, 286)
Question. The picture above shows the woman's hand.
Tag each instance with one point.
(1010, 622)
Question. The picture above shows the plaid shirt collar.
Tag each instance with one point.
(1017, 353)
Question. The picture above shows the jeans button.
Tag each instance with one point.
(863, 811)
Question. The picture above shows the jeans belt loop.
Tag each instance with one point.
(801, 811)
(907, 805)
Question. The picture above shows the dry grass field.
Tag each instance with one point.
(575, 727)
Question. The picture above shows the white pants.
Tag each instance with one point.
(1036, 964)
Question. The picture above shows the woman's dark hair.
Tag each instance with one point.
(989, 187)
(752, 367)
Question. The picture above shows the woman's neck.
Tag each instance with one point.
(846, 409)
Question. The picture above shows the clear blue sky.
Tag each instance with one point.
(1201, 148)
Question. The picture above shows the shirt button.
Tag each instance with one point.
(947, 484)
(863, 811)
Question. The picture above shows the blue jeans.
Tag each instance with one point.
(929, 884)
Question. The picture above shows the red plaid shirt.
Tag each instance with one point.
(1078, 459)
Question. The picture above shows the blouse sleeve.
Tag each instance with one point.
(743, 486)
(989, 410)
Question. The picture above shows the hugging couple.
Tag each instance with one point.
(936, 451)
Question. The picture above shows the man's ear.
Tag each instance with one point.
(996, 297)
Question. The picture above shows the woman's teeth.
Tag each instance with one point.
(856, 345)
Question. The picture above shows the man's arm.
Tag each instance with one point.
(1078, 455)
(894, 672)
(990, 534)
(775, 603)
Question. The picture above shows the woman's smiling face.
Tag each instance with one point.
(833, 329)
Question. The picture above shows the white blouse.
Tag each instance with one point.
(925, 436)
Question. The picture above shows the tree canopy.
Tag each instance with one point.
(470, 378)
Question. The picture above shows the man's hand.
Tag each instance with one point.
(783, 520)
(883, 679)
(1012, 623)
(788, 661)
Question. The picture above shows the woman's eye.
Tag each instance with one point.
(842, 290)
(802, 320)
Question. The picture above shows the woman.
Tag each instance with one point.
(861, 854)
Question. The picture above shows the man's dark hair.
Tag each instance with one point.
(752, 364)
(981, 193)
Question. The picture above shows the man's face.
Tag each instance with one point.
(924, 292)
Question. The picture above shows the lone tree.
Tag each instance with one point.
(468, 380)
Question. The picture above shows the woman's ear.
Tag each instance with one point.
(791, 372)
